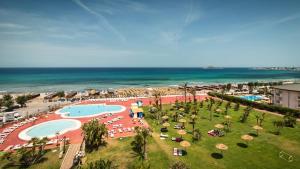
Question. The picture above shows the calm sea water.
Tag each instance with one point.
(54, 79)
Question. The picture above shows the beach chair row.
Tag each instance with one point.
(5, 133)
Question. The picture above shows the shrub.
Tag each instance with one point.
(262, 106)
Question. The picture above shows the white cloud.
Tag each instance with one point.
(12, 26)
(102, 19)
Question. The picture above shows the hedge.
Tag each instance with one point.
(262, 106)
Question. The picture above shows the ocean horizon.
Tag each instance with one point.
(79, 79)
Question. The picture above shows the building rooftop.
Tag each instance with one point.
(291, 87)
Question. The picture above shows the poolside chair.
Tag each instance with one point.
(175, 152)
(179, 152)
(164, 135)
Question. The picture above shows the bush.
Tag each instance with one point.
(262, 106)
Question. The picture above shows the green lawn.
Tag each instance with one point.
(262, 152)
(49, 161)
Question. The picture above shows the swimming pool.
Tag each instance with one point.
(89, 110)
(252, 97)
(50, 128)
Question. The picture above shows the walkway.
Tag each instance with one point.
(68, 159)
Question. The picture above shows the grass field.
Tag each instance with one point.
(49, 161)
(262, 152)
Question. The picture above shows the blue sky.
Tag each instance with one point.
(156, 33)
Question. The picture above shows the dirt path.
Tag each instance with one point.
(163, 146)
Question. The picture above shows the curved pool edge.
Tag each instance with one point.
(64, 115)
(23, 134)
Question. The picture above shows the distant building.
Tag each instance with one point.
(287, 95)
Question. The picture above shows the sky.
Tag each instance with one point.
(149, 33)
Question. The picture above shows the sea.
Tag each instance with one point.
(80, 79)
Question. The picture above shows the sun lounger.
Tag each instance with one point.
(175, 152)
(129, 129)
(16, 147)
(164, 135)
(179, 152)
(50, 142)
(112, 135)
(8, 147)
(120, 131)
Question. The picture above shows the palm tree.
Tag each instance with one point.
(175, 116)
(42, 143)
(93, 133)
(279, 125)
(193, 118)
(197, 135)
(140, 141)
(193, 91)
(185, 91)
(34, 142)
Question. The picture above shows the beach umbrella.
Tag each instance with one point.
(182, 121)
(221, 147)
(246, 138)
(181, 132)
(166, 124)
(165, 117)
(185, 144)
(219, 126)
(227, 117)
(193, 116)
(219, 110)
(256, 127)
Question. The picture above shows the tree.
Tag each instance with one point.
(177, 105)
(228, 86)
(245, 115)
(8, 101)
(197, 135)
(21, 100)
(240, 86)
(279, 125)
(175, 116)
(201, 104)
(260, 118)
(140, 141)
(193, 91)
(250, 87)
(193, 122)
(289, 120)
(237, 107)
(101, 164)
(60, 94)
(1, 103)
(42, 143)
(93, 133)
(228, 105)
(185, 91)
(179, 165)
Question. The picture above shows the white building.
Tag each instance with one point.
(287, 95)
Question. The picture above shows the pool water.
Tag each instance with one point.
(252, 97)
(90, 110)
(50, 128)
